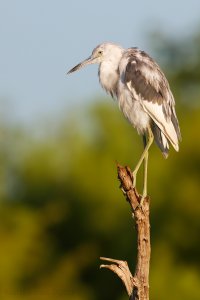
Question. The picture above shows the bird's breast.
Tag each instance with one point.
(132, 109)
(108, 77)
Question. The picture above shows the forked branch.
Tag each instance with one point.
(137, 286)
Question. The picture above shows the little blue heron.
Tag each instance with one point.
(144, 96)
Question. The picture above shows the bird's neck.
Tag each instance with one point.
(109, 74)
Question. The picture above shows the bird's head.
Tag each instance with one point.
(103, 52)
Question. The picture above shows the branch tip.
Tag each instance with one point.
(121, 269)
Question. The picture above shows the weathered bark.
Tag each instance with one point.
(137, 286)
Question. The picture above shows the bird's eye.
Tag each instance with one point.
(100, 52)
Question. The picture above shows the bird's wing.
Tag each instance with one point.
(144, 78)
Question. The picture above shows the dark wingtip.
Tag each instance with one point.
(165, 153)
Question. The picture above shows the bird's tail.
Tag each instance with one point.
(160, 139)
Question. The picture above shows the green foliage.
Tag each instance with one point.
(61, 207)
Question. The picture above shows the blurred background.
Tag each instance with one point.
(60, 203)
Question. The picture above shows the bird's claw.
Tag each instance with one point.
(142, 200)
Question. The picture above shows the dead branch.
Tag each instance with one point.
(137, 286)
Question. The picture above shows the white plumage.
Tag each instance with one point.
(143, 93)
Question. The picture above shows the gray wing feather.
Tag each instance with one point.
(145, 77)
(148, 80)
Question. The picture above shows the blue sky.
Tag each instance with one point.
(41, 40)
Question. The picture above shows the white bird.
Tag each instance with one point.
(144, 96)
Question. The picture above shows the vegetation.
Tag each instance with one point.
(61, 207)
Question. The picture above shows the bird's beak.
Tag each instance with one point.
(88, 61)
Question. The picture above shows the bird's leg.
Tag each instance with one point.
(143, 156)
(144, 193)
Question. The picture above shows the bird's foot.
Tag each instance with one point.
(142, 200)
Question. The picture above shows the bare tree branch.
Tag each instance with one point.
(137, 286)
